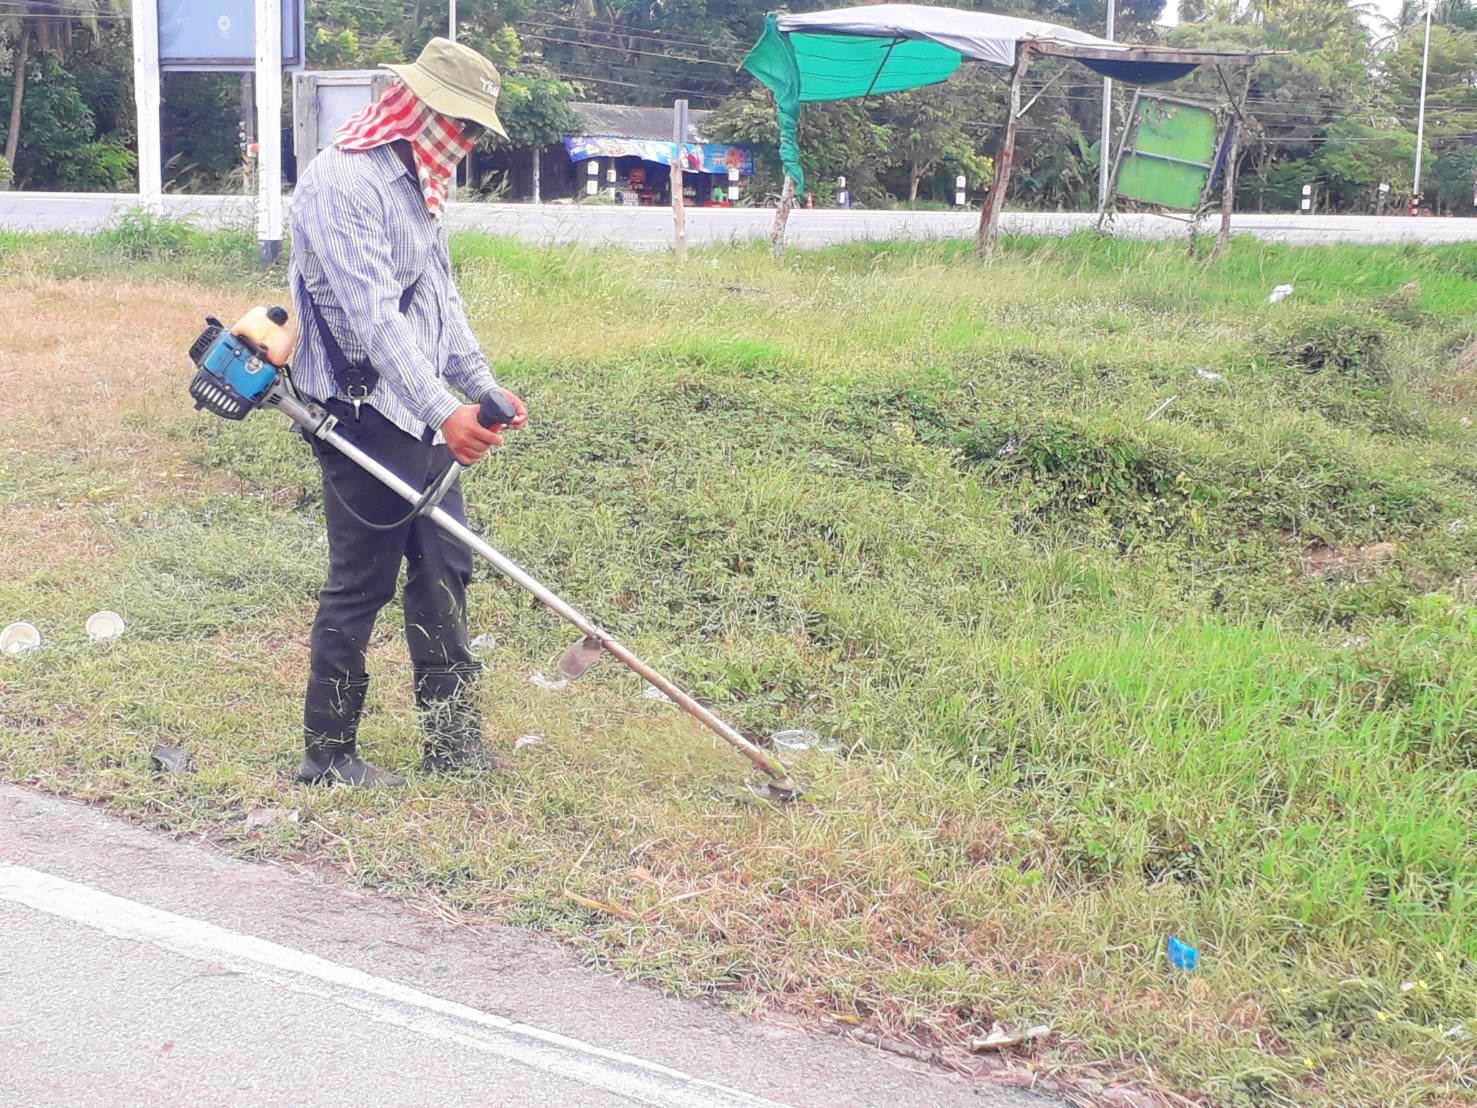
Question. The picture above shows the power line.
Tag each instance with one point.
(572, 23)
(633, 84)
(622, 50)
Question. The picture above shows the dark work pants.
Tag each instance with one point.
(364, 564)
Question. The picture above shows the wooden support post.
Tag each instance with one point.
(1004, 158)
(145, 20)
(305, 118)
(1110, 195)
(782, 217)
(1233, 155)
(679, 210)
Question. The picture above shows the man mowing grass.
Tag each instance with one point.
(384, 336)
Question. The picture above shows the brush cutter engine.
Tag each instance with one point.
(232, 373)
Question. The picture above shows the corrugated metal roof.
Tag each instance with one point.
(621, 121)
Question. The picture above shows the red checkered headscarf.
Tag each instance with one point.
(436, 139)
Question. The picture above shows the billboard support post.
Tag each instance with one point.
(146, 96)
(269, 129)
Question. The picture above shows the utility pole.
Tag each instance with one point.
(1420, 127)
(146, 96)
(1102, 168)
(269, 129)
(456, 174)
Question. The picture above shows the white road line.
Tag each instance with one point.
(385, 1001)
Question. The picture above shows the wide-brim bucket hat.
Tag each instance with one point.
(455, 80)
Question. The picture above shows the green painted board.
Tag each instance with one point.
(1185, 133)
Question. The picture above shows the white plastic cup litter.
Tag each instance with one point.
(794, 740)
(18, 638)
(102, 626)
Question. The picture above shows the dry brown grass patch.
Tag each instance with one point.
(112, 354)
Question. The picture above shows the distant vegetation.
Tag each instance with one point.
(1336, 111)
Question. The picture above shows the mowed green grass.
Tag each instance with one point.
(1084, 679)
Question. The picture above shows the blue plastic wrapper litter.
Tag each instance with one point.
(1182, 955)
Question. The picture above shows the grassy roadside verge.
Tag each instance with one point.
(1093, 678)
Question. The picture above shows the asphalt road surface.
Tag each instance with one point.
(651, 228)
(135, 969)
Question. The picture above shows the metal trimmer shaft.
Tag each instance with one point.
(320, 424)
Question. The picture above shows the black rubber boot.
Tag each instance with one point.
(331, 711)
(451, 720)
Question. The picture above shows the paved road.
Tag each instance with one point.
(141, 970)
(651, 228)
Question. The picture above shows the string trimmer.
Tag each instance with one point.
(243, 368)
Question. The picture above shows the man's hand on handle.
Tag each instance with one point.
(468, 440)
(522, 417)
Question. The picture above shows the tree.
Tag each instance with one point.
(46, 25)
(1454, 176)
(1451, 84)
(1358, 157)
(1294, 97)
(836, 139)
(1460, 14)
(927, 129)
(533, 103)
(643, 52)
(534, 108)
(79, 119)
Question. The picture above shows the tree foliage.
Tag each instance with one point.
(928, 133)
(1336, 108)
(46, 40)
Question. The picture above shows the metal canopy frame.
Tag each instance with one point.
(1126, 62)
(1026, 51)
(1128, 147)
(1230, 119)
(1143, 55)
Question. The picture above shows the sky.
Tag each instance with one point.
(1171, 10)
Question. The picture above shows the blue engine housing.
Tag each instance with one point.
(231, 376)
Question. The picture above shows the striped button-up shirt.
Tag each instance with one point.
(361, 236)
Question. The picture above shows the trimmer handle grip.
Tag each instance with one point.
(496, 409)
